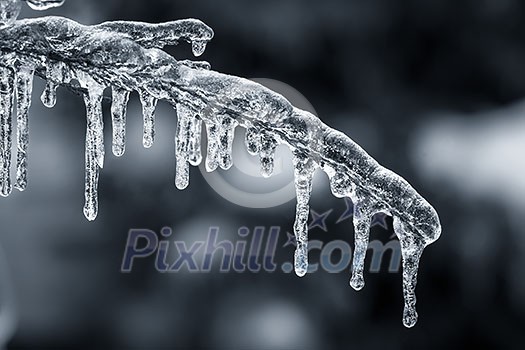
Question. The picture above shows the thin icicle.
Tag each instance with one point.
(24, 87)
(226, 135)
(212, 156)
(119, 105)
(92, 173)
(94, 149)
(362, 219)
(267, 154)
(303, 171)
(6, 128)
(253, 141)
(194, 146)
(182, 139)
(148, 112)
(412, 247)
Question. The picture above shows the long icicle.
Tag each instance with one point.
(24, 88)
(6, 128)
(182, 171)
(303, 171)
(362, 219)
(93, 101)
(412, 247)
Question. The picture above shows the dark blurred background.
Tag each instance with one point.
(433, 89)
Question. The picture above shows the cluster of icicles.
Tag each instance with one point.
(126, 57)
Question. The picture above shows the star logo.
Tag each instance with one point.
(380, 220)
(349, 211)
(319, 220)
(290, 240)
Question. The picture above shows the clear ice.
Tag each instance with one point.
(127, 56)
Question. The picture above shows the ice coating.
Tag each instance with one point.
(9, 11)
(164, 34)
(126, 57)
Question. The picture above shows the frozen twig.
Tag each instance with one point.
(126, 56)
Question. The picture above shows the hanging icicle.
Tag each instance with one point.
(7, 78)
(24, 88)
(119, 105)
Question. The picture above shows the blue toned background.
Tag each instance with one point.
(433, 89)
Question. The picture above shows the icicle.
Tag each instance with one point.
(303, 170)
(49, 97)
(182, 139)
(362, 218)
(148, 111)
(94, 145)
(226, 135)
(198, 47)
(411, 249)
(6, 128)
(119, 104)
(267, 154)
(93, 102)
(212, 156)
(92, 173)
(54, 76)
(194, 146)
(253, 141)
(24, 87)
(44, 4)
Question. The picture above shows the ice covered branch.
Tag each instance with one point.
(126, 56)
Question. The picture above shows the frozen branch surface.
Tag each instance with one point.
(126, 56)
